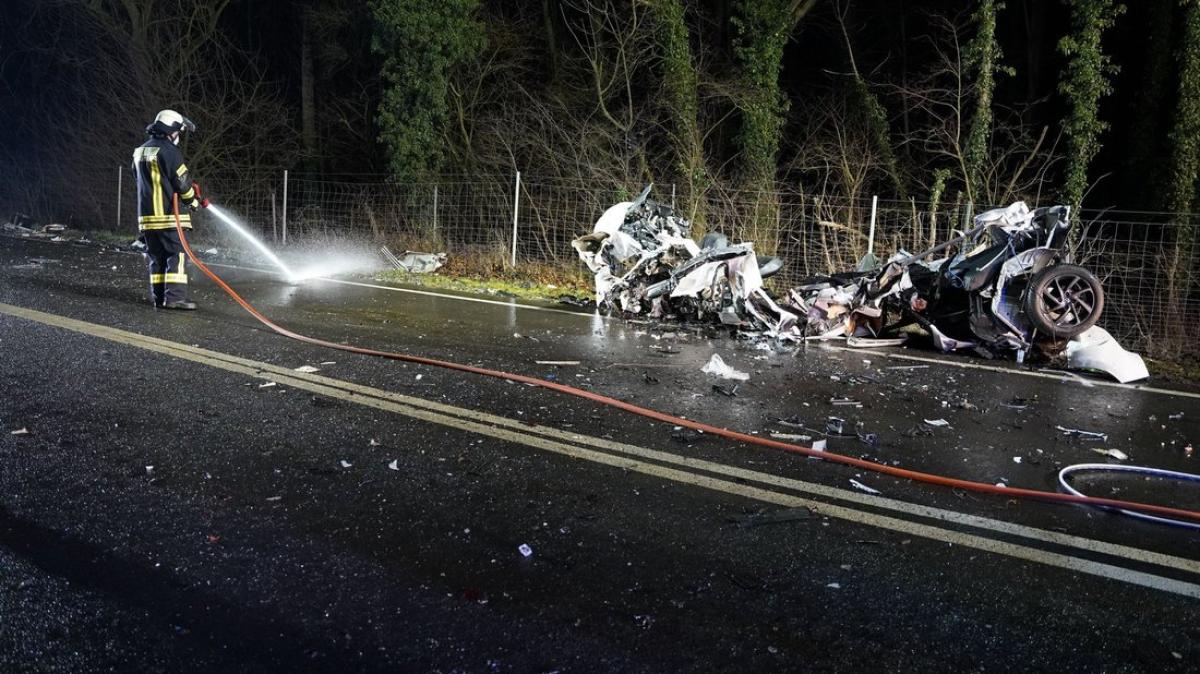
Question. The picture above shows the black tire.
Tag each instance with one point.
(1064, 300)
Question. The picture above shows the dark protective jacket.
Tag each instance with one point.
(161, 174)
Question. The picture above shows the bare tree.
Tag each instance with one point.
(127, 59)
(1019, 157)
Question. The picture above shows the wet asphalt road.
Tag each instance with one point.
(271, 533)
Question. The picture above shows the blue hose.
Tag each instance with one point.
(1138, 470)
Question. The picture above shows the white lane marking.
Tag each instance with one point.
(1066, 378)
(388, 401)
(832, 347)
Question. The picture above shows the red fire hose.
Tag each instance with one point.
(928, 478)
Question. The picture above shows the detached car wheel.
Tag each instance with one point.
(1064, 300)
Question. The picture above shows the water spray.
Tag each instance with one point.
(254, 240)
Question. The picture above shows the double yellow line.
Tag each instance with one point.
(968, 530)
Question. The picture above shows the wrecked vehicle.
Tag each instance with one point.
(1010, 287)
(646, 263)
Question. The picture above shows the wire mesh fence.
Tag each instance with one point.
(1145, 260)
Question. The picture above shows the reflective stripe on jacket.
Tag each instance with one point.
(161, 174)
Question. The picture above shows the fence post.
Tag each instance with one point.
(120, 179)
(871, 235)
(435, 229)
(672, 196)
(966, 224)
(516, 203)
(274, 225)
(284, 218)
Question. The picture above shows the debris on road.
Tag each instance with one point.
(345, 463)
(844, 402)
(395, 464)
(876, 343)
(1113, 453)
(1086, 435)
(862, 487)
(556, 362)
(717, 366)
(727, 391)
(20, 431)
(790, 437)
(937, 423)
(268, 384)
(307, 369)
(525, 550)
(686, 435)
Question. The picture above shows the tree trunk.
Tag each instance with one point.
(308, 106)
(549, 9)
(1151, 107)
(763, 28)
(1185, 162)
(1084, 83)
(682, 104)
(982, 56)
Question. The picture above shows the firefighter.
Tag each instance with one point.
(161, 174)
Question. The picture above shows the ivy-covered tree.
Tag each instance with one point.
(761, 31)
(982, 60)
(1085, 81)
(1184, 172)
(762, 28)
(680, 88)
(422, 45)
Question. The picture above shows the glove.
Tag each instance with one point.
(194, 205)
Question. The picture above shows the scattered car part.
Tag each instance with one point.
(1087, 435)
(1095, 349)
(414, 262)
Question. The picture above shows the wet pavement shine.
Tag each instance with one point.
(182, 498)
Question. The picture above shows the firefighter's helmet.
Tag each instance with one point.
(168, 122)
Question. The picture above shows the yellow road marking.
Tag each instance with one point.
(543, 438)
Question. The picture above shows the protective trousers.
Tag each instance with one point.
(168, 270)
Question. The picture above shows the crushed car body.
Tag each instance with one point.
(646, 263)
(1005, 286)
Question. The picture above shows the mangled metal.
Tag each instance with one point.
(1005, 286)
(414, 262)
(1009, 288)
(646, 263)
